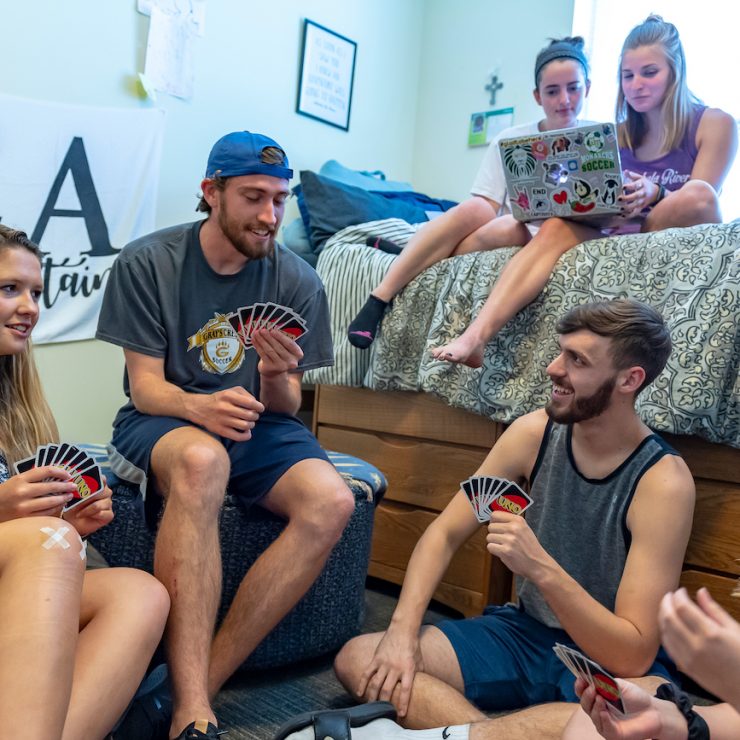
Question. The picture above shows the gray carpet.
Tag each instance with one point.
(253, 706)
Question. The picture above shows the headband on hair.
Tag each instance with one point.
(559, 50)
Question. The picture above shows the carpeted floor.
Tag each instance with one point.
(253, 706)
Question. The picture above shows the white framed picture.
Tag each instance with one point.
(327, 75)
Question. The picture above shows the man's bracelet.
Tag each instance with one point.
(698, 728)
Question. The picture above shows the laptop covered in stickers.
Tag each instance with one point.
(572, 173)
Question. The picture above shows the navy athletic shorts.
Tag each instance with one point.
(507, 661)
(278, 442)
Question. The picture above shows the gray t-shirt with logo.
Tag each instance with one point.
(164, 300)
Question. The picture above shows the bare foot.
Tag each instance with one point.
(464, 350)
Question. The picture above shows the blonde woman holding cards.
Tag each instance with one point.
(73, 645)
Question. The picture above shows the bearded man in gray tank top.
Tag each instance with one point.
(602, 542)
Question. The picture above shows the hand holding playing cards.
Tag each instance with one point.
(278, 352)
(231, 413)
(90, 517)
(396, 661)
(643, 712)
(511, 539)
(704, 641)
(36, 492)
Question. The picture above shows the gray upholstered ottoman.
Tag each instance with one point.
(332, 610)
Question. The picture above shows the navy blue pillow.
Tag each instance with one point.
(328, 206)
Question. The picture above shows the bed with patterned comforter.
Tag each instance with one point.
(691, 275)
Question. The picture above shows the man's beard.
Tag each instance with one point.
(239, 237)
(583, 409)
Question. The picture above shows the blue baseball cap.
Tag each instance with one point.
(241, 153)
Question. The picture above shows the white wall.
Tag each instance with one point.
(463, 43)
(89, 52)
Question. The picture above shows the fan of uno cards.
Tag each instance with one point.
(487, 494)
(85, 472)
(593, 674)
(248, 319)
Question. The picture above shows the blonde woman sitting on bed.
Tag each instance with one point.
(73, 645)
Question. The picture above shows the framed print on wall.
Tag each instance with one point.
(327, 75)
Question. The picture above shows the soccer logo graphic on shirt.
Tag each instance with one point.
(221, 350)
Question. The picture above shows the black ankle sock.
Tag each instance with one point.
(362, 330)
(384, 245)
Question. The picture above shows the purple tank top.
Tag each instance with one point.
(673, 169)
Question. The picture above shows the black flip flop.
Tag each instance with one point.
(336, 723)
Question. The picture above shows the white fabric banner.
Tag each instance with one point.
(82, 182)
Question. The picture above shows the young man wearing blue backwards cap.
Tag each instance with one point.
(206, 412)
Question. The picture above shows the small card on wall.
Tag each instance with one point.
(485, 126)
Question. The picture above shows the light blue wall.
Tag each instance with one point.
(89, 52)
(463, 43)
(421, 68)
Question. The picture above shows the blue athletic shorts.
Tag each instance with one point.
(278, 442)
(507, 661)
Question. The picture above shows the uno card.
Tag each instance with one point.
(512, 499)
(606, 686)
(272, 313)
(570, 659)
(61, 449)
(236, 324)
(259, 310)
(27, 463)
(291, 324)
(561, 652)
(470, 488)
(292, 327)
(73, 458)
(89, 484)
(79, 500)
(247, 315)
(45, 454)
(65, 453)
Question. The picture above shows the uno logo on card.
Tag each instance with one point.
(92, 484)
(511, 502)
(83, 487)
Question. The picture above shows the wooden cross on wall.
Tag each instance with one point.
(493, 87)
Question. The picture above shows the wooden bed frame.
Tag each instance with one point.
(425, 448)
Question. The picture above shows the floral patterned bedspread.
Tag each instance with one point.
(691, 275)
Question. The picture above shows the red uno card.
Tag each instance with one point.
(606, 686)
(89, 484)
(512, 499)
